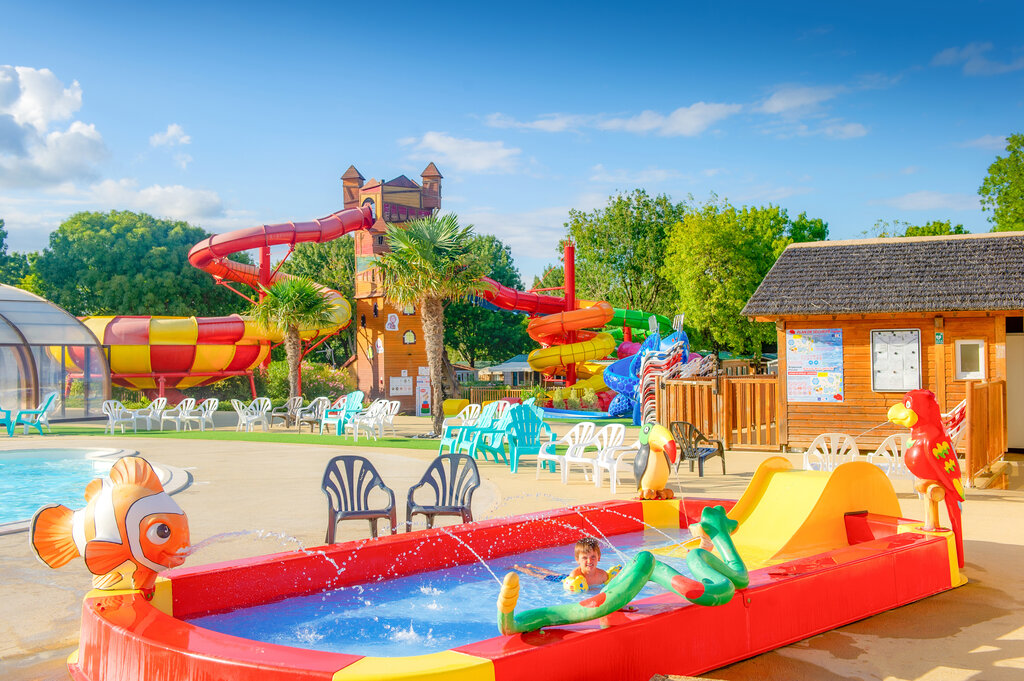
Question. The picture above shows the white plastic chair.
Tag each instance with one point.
(312, 413)
(152, 412)
(578, 435)
(179, 415)
(829, 450)
(286, 412)
(956, 423)
(609, 460)
(239, 406)
(372, 420)
(117, 415)
(889, 456)
(256, 412)
(606, 437)
(203, 414)
(388, 418)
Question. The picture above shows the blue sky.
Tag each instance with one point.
(248, 113)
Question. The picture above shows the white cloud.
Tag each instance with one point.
(174, 201)
(686, 121)
(843, 131)
(910, 170)
(462, 153)
(628, 177)
(553, 122)
(974, 61)
(929, 200)
(172, 136)
(31, 154)
(796, 99)
(989, 142)
(182, 160)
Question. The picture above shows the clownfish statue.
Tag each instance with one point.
(129, 530)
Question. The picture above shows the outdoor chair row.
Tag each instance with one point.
(355, 491)
(182, 415)
(29, 418)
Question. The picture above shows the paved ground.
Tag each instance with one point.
(975, 632)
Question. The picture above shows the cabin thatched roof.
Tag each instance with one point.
(972, 272)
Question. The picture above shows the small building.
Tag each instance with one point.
(513, 372)
(861, 322)
(464, 372)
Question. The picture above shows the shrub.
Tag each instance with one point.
(589, 400)
(317, 379)
(572, 402)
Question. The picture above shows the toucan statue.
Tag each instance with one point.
(653, 463)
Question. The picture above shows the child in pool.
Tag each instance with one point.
(587, 553)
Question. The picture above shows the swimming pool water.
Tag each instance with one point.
(422, 613)
(33, 478)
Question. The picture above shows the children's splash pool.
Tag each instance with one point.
(423, 613)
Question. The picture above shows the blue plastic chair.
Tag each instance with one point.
(526, 434)
(342, 416)
(6, 421)
(34, 418)
(458, 437)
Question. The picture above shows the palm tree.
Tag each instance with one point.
(291, 304)
(430, 262)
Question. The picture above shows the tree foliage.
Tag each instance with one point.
(717, 256)
(618, 247)
(1002, 191)
(288, 306)
(430, 262)
(553, 276)
(899, 228)
(331, 263)
(478, 333)
(128, 263)
(14, 267)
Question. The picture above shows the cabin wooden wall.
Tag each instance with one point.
(863, 409)
(374, 374)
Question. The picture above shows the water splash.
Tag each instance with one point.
(471, 550)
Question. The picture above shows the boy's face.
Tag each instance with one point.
(587, 560)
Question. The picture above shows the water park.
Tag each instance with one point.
(812, 556)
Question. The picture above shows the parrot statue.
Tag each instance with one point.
(930, 455)
(653, 462)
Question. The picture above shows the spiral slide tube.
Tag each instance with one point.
(189, 351)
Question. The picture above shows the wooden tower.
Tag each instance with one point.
(391, 354)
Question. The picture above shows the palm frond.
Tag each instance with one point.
(294, 302)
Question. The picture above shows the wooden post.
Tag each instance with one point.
(939, 364)
(781, 406)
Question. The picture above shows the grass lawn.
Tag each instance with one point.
(236, 436)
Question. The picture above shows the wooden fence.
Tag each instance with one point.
(481, 395)
(986, 426)
(742, 411)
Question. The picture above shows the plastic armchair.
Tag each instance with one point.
(526, 434)
(956, 423)
(487, 440)
(579, 434)
(372, 420)
(286, 412)
(347, 483)
(180, 414)
(452, 478)
(829, 450)
(253, 413)
(695, 447)
(311, 413)
(451, 426)
(153, 412)
(117, 415)
(388, 420)
(459, 437)
(604, 438)
(609, 460)
(340, 416)
(202, 414)
(239, 406)
(6, 421)
(889, 456)
(36, 418)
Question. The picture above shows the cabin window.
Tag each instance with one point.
(895, 360)
(970, 360)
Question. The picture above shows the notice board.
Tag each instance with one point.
(814, 365)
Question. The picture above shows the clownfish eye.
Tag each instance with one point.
(158, 533)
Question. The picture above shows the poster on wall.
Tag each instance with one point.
(400, 385)
(814, 365)
(423, 396)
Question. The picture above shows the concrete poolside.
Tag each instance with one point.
(974, 632)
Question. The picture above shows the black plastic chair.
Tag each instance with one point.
(347, 483)
(453, 479)
(695, 447)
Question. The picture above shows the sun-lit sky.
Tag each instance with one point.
(237, 114)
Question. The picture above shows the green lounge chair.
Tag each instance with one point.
(35, 418)
(526, 434)
(340, 417)
(457, 436)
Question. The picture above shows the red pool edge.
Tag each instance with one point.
(125, 637)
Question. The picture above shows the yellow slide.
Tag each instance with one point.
(785, 514)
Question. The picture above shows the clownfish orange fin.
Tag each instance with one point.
(93, 488)
(106, 581)
(51, 535)
(134, 470)
(103, 556)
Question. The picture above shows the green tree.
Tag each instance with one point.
(717, 256)
(901, 228)
(331, 263)
(14, 267)
(618, 251)
(128, 263)
(290, 305)
(430, 262)
(1002, 191)
(478, 333)
(553, 276)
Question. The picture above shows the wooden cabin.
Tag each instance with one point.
(861, 322)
